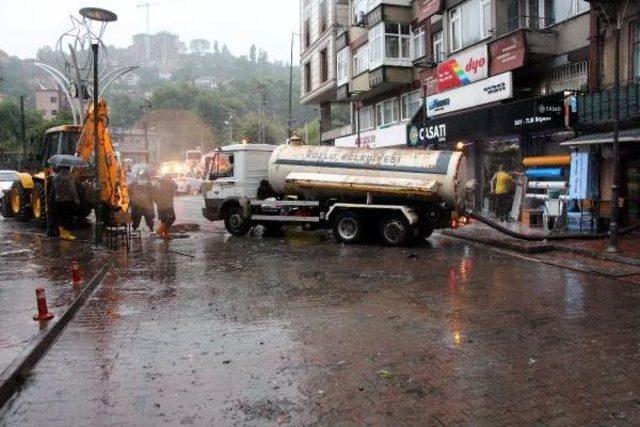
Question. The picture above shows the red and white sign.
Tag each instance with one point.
(508, 53)
(465, 68)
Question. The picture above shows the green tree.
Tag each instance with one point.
(252, 54)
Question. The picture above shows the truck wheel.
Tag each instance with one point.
(6, 205)
(39, 205)
(395, 230)
(236, 223)
(20, 202)
(348, 227)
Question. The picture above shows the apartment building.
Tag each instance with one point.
(160, 50)
(320, 22)
(50, 102)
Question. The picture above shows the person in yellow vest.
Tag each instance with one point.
(501, 188)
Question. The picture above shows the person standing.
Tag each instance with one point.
(67, 200)
(164, 192)
(501, 187)
(141, 196)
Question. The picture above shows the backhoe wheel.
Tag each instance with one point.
(348, 227)
(235, 222)
(20, 202)
(39, 204)
(395, 230)
(6, 204)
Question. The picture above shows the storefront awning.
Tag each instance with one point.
(628, 135)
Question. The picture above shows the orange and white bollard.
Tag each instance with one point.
(43, 310)
(76, 276)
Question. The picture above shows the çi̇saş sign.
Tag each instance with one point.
(485, 91)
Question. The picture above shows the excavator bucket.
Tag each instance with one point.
(113, 183)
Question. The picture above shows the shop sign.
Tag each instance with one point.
(544, 113)
(429, 80)
(463, 69)
(489, 90)
(507, 54)
(384, 137)
(428, 8)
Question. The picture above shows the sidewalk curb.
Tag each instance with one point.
(544, 247)
(532, 249)
(17, 371)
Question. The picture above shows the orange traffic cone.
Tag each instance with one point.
(43, 310)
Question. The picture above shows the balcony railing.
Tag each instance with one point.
(597, 108)
(535, 23)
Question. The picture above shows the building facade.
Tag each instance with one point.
(160, 50)
(320, 22)
(50, 102)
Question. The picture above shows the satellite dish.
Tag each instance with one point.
(97, 14)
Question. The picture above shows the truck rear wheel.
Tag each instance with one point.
(348, 227)
(235, 222)
(20, 202)
(39, 204)
(395, 230)
(6, 205)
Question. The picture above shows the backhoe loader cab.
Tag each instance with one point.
(59, 140)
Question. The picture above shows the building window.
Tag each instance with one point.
(342, 66)
(54, 99)
(418, 47)
(365, 118)
(455, 29)
(635, 52)
(307, 77)
(361, 60)
(387, 112)
(469, 23)
(323, 16)
(560, 10)
(324, 66)
(359, 10)
(307, 33)
(438, 47)
(409, 105)
(54, 112)
(389, 41)
(486, 18)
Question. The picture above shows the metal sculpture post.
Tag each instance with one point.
(96, 147)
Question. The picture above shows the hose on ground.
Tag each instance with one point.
(541, 237)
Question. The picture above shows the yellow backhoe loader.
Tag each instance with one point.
(27, 198)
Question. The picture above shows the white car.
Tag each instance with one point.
(7, 177)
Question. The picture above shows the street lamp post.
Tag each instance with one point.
(615, 186)
(290, 119)
(96, 148)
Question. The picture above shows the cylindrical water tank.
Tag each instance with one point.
(321, 171)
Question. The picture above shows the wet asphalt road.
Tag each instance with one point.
(216, 330)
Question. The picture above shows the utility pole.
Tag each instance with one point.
(23, 132)
(615, 185)
(96, 147)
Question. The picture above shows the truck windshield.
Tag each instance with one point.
(221, 166)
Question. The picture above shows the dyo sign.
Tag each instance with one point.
(467, 67)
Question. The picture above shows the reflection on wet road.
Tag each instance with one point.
(298, 329)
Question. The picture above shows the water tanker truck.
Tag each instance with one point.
(400, 193)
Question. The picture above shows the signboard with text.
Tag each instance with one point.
(507, 54)
(384, 137)
(465, 68)
(486, 91)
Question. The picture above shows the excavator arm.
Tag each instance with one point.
(113, 180)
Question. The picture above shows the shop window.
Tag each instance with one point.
(635, 49)
(365, 118)
(418, 47)
(409, 105)
(361, 60)
(438, 47)
(342, 66)
(387, 112)
(324, 66)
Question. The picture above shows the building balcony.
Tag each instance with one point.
(381, 80)
(595, 110)
(537, 36)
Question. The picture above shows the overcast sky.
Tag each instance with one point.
(26, 25)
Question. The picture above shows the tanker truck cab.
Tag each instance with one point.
(232, 179)
(398, 194)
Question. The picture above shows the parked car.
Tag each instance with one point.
(7, 177)
(188, 182)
